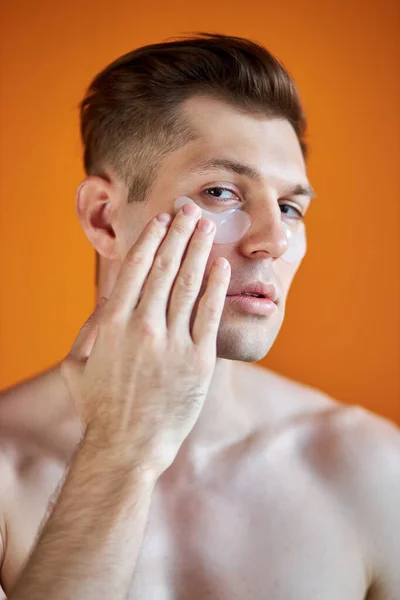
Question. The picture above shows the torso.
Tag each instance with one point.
(255, 522)
(258, 526)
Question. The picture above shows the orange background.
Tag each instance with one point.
(342, 329)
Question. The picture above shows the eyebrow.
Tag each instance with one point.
(242, 169)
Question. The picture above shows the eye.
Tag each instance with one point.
(295, 214)
(216, 193)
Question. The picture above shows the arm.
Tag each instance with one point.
(138, 380)
(90, 544)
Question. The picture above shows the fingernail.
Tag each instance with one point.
(222, 263)
(191, 210)
(205, 226)
(164, 218)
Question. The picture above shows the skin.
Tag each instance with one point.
(277, 491)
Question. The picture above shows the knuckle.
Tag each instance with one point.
(199, 248)
(218, 279)
(136, 259)
(148, 328)
(163, 262)
(186, 281)
(212, 310)
(181, 229)
(200, 243)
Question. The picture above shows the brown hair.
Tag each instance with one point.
(130, 118)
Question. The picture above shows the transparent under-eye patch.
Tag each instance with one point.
(233, 223)
(297, 243)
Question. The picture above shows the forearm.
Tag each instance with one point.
(90, 544)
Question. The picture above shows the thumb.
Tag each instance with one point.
(84, 342)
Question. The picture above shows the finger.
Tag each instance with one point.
(190, 278)
(166, 265)
(134, 271)
(211, 305)
(83, 344)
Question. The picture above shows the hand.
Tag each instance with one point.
(136, 372)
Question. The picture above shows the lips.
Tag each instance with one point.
(265, 290)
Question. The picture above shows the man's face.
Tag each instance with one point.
(270, 147)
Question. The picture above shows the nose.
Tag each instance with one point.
(265, 235)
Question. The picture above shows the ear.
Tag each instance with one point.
(96, 205)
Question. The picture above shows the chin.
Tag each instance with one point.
(246, 343)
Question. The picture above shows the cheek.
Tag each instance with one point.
(284, 271)
(224, 250)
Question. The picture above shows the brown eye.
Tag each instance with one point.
(217, 193)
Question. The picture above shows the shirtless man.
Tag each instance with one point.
(154, 462)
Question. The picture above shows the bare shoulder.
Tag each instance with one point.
(37, 413)
(353, 445)
(356, 456)
(37, 427)
(353, 453)
(38, 433)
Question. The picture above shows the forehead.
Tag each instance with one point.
(269, 145)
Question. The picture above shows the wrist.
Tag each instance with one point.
(118, 455)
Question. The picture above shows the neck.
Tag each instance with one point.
(224, 419)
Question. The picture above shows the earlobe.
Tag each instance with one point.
(94, 210)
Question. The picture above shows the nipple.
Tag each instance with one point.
(233, 223)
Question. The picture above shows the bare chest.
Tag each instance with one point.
(276, 539)
(250, 528)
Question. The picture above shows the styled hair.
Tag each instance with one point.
(130, 116)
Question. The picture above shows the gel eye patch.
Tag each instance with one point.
(233, 223)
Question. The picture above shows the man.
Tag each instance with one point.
(154, 462)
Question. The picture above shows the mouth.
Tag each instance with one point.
(253, 305)
(257, 289)
(251, 295)
(256, 298)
